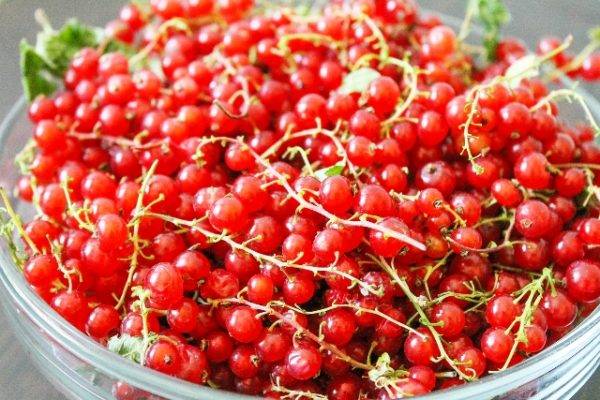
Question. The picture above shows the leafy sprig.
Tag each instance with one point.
(43, 65)
(492, 15)
(130, 347)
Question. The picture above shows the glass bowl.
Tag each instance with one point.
(82, 369)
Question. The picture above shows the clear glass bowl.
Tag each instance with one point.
(82, 369)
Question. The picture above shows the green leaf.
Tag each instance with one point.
(358, 81)
(594, 34)
(37, 75)
(334, 170)
(116, 46)
(130, 347)
(492, 14)
(43, 65)
(7, 228)
(59, 47)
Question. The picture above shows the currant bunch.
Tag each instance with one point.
(342, 205)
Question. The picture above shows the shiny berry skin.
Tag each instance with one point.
(102, 322)
(374, 200)
(432, 129)
(441, 42)
(254, 208)
(273, 346)
(165, 286)
(164, 357)
(260, 289)
(112, 231)
(184, 318)
(532, 171)
(298, 289)
(49, 137)
(384, 245)
(501, 311)
(583, 281)
(420, 349)
(472, 362)
(506, 193)
(560, 311)
(227, 213)
(243, 325)
(589, 231)
(327, 244)
(452, 318)
(532, 219)
(515, 119)
(496, 344)
(536, 340)
(590, 69)
(304, 362)
(383, 94)
(72, 306)
(219, 346)
(41, 270)
(336, 195)
(339, 326)
(366, 124)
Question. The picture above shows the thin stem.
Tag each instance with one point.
(569, 95)
(363, 223)
(16, 220)
(534, 291)
(72, 210)
(113, 140)
(353, 307)
(472, 105)
(217, 237)
(135, 234)
(465, 27)
(423, 316)
(268, 309)
(577, 165)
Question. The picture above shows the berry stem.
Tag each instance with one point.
(135, 234)
(416, 302)
(353, 307)
(16, 220)
(216, 237)
(569, 95)
(578, 60)
(75, 211)
(173, 23)
(472, 106)
(269, 310)
(120, 141)
(363, 223)
(534, 291)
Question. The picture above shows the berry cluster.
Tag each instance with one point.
(338, 205)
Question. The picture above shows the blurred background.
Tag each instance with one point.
(530, 20)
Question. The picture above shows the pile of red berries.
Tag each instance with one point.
(338, 205)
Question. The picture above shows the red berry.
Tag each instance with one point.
(165, 286)
(304, 362)
(583, 281)
(164, 357)
(496, 344)
(243, 325)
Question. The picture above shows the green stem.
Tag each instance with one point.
(135, 234)
(14, 217)
(423, 316)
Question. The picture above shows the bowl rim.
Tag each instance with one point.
(112, 365)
